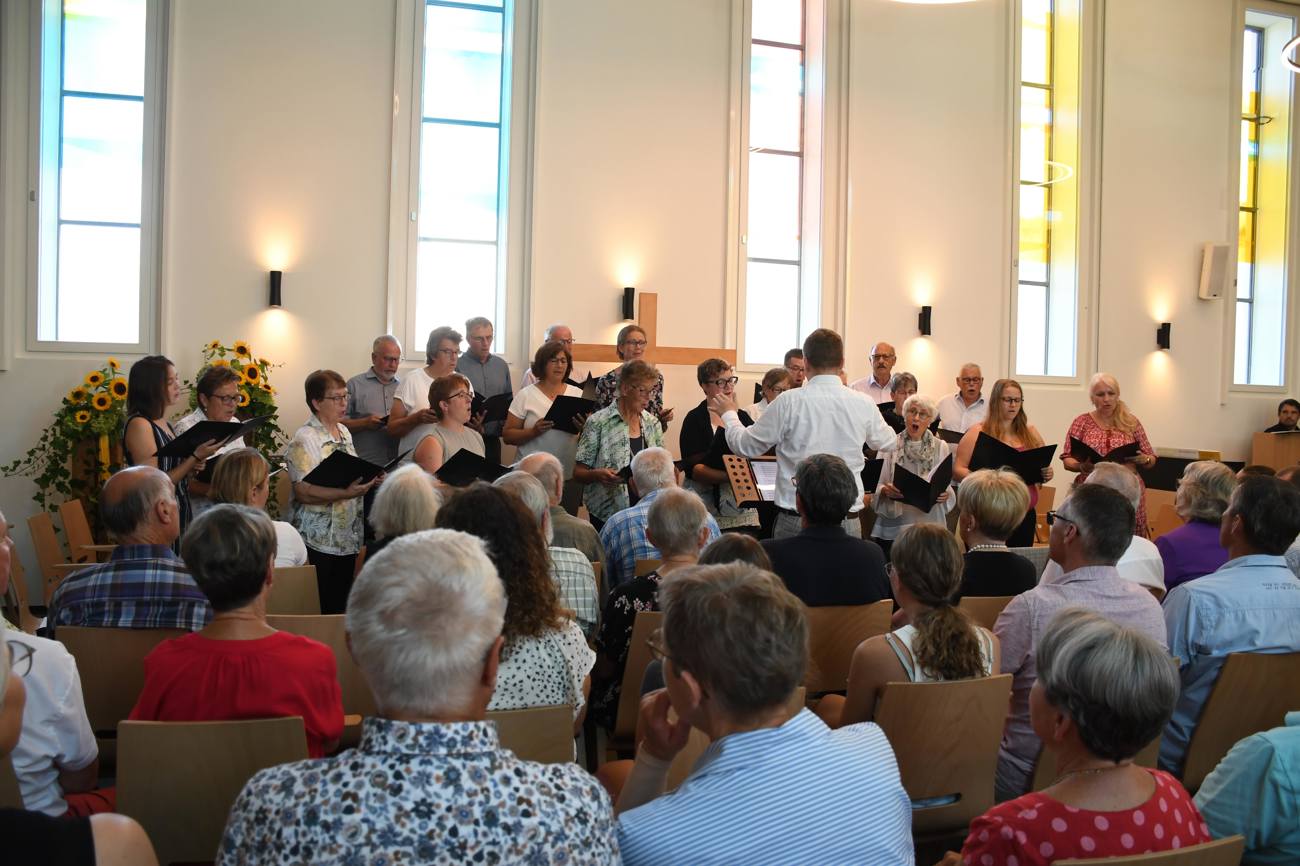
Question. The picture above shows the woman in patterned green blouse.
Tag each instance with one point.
(610, 439)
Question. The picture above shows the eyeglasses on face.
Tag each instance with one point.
(722, 383)
(658, 649)
(884, 357)
(336, 398)
(451, 353)
(1053, 516)
(468, 395)
(231, 399)
(1013, 401)
(635, 344)
(971, 380)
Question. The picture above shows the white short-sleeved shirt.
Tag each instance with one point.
(289, 547)
(200, 504)
(531, 405)
(414, 394)
(955, 415)
(56, 734)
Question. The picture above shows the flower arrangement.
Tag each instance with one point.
(81, 446)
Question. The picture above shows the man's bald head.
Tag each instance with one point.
(547, 469)
(138, 506)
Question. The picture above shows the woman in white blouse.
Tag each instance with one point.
(920, 452)
(526, 425)
(410, 416)
(243, 477)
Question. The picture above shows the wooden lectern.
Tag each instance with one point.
(1278, 450)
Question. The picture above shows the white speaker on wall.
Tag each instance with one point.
(1216, 271)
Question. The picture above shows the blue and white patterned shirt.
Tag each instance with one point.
(800, 793)
(623, 537)
(141, 586)
(421, 793)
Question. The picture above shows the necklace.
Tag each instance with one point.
(1091, 771)
(1000, 545)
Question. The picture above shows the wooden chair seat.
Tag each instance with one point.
(179, 779)
(984, 610)
(1221, 852)
(834, 633)
(542, 734)
(294, 592)
(111, 664)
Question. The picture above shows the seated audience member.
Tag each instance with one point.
(407, 501)
(425, 623)
(937, 641)
(1193, 549)
(919, 451)
(1288, 414)
(569, 530)
(677, 524)
(1251, 604)
(1255, 792)
(242, 477)
(992, 504)
(1103, 693)
(143, 584)
(1089, 533)
(31, 837)
(1141, 562)
(1255, 469)
(776, 382)
(545, 659)
(572, 572)
(238, 667)
(823, 564)
(776, 785)
(623, 536)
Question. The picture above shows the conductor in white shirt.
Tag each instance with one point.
(822, 417)
(961, 411)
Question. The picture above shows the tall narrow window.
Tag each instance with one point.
(780, 283)
(1047, 241)
(1259, 356)
(96, 173)
(463, 147)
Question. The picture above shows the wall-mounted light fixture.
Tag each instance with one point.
(1162, 335)
(629, 303)
(923, 321)
(275, 288)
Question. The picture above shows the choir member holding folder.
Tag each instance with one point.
(925, 457)
(1108, 427)
(612, 437)
(153, 386)
(218, 394)
(703, 443)
(327, 517)
(531, 425)
(450, 399)
(1008, 424)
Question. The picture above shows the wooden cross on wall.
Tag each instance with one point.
(648, 319)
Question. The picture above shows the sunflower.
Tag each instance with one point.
(77, 395)
(101, 402)
(262, 362)
(221, 362)
(117, 388)
(114, 363)
(214, 345)
(252, 374)
(243, 397)
(82, 416)
(94, 379)
(241, 348)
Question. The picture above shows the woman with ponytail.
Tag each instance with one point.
(937, 642)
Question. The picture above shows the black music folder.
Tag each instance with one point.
(340, 469)
(952, 437)
(588, 386)
(1122, 454)
(991, 453)
(495, 407)
(871, 474)
(565, 410)
(919, 493)
(221, 432)
(465, 467)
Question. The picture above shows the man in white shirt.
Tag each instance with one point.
(961, 411)
(558, 333)
(822, 417)
(876, 386)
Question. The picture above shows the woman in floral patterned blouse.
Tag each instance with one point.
(612, 437)
(328, 518)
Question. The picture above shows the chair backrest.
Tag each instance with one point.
(645, 566)
(598, 569)
(330, 630)
(834, 633)
(111, 664)
(945, 737)
(49, 553)
(542, 734)
(294, 592)
(11, 796)
(179, 779)
(638, 659)
(1221, 852)
(1254, 693)
(76, 530)
(984, 610)
(1046, 496)
(1036, 555)
(1045, 773)
(1167, 520)
(17, 610)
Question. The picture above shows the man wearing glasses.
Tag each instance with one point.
(961, 411)
(490, 376)
(876, 386)
(555, 333)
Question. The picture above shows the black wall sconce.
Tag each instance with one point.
(1162, 335)
(275, 288)
(629, 303)
(923, 321)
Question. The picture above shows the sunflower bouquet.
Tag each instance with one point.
(81, 446)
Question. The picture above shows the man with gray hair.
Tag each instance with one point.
(424, 625)
(144, 584)
(623, 535)
(1089, 533)
(961, 411)
(490, 376)
(777, 785)
(554, 333)
(823, 564)
(370, 394)
(571, 571)
(569, 530)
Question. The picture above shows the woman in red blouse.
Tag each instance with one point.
(238, 667)
(1109, 425)
(1103, 693)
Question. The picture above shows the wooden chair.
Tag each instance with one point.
(1253, 693)
(638, 659)
(179, 779)
(945, 737)
(49, 553)
(984, 610)
(294, 592)
(17, 610)
(542, 734)
(601, 592)
(1037, 555)
(11, 795)
(645, 566)
(1046, 497)
(111, 664)
(329, 630)
(1045, 773)
(835, 633)
(76, 529)
(1221, 852)
(1167, 520)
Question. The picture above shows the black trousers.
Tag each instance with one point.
(333, 579)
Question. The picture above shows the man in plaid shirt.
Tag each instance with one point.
(144, 584)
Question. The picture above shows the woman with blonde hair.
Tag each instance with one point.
(1007, 423)
(243, 477)
(1193, 549)
(936, 643)
(992, 502)
(1108, 426)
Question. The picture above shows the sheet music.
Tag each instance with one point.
(765, 475)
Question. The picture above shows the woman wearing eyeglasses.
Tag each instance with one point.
(920, 452)
(217, 392)
(449, 400)
(1007, 423)
(698, 428)
(631, 346)
(526, 425)
(776, 382)
(612, 437)
(328, 518)
(410, 416)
